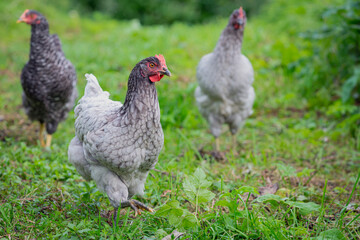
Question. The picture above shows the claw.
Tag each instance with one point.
(138, 206)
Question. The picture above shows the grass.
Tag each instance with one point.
(314, 164)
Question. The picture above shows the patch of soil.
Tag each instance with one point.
(9, 74)
(18, 127)
(216, 155)
(184, 79)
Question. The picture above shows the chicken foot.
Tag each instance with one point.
(136, 205)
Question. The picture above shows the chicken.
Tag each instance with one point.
(225, 94)
(117, 145)
(48, 79)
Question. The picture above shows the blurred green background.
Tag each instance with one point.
(167, 12)
(305, 123)
(315, 43)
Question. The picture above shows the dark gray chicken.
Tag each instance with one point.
(225, 94)
(117, 145)
(48, 78)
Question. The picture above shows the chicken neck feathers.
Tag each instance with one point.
(124, 138)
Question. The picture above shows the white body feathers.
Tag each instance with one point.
(225, 94)
(115, 150)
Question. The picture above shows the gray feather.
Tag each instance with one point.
(225, 94)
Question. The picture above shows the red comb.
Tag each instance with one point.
(24, 13)
(241, 12)
(161, 59)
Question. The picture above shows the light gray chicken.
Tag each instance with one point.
(116, 145)
(225, 94)
(48, 78)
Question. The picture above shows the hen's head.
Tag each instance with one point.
(238, 19)
(154, 68)
(31, 17)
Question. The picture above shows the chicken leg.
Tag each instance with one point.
(217, 144)
(41, 134)
(116, 190)
(48, 140)
(233, 136)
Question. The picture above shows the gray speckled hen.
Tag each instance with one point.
(225, 94)
(117, 145)
(48, 78)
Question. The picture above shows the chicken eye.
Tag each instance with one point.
(151, 65)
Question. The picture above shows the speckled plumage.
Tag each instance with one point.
(48, 78)
(225, 94)
(117, 145)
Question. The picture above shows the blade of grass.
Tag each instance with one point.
(7, 221)
(349, 223)
(190, 145)
(322, 210)
(339, 222)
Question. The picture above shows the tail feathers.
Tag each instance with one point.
(93, 88)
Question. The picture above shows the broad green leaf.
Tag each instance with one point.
(269, 197)
(274, 200)
(84, 230)
(286, 170)
(195, 187)
(188, 221)
(248, 189)
(230, 202)
(305, 172)
(200, 174)
(331, 234)
(175, 219)
(160, 233)
(205, 195)
(199, 179)
(223, 203)
(177, 216)
(305, 208)
(189, 188)
(170, 209)
(228, 220)
(350, 84)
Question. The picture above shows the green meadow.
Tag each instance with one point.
(294, 175)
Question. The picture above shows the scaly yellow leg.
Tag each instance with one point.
(217, 144)
(48, 140)
(41, 134)
(234, 143)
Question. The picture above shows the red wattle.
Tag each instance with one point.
(156, 78)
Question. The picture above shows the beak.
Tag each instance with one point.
(22, 18)
(240, 21)
(165, 72)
